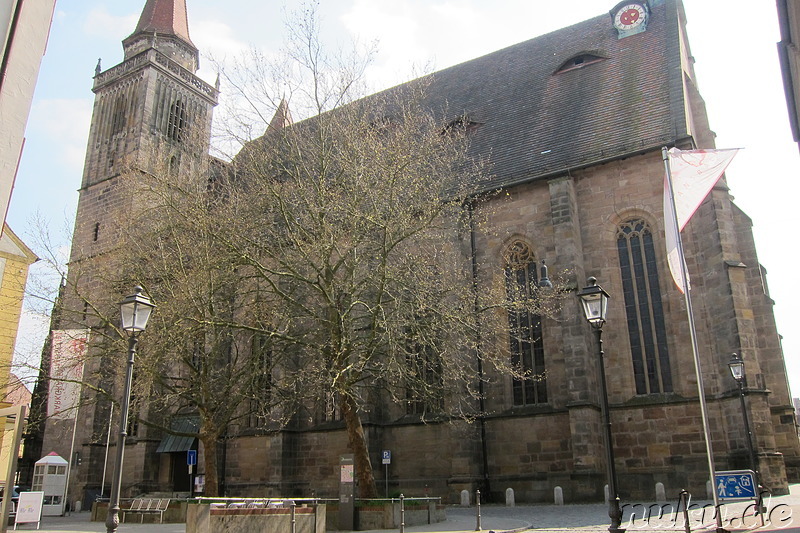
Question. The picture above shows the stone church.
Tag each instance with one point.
(573, 124)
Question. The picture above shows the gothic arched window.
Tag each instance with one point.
(643, 307)
(177, 120)
(118, 117)
(525, 328)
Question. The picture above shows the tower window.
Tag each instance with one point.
(96, 233)
(176, 126)
(118, 116)
(643, 308)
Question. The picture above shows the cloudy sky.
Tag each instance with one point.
(733, 44)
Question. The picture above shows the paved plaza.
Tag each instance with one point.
(783, 514)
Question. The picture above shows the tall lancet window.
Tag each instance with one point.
(176, 127)
(525, 328)
(643, 307)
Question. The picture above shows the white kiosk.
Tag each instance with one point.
(50, 477)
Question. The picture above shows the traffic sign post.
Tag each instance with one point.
(386, 460)
(191, 460)
(736, 485)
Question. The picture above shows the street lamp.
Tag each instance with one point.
(134, 312)
(736, 365)
(595, 305)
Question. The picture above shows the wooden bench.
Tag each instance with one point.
(145, 506)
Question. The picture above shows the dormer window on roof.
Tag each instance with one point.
(579, 61)
(461, 124)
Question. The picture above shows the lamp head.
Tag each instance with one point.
(595, 302)
(135, 311)
(736, 365)
(544, 281)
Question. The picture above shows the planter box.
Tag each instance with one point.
(202, 518)
(387, 516)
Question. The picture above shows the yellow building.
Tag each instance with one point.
(15, 259)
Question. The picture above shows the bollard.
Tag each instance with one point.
(478, 510)
(292, 506)
(761, 509)
(709, 490)
(661, 494)
(402, 514)
(558, 496)
(684, 499)
(464, 498)
(605, 494)
(509, 497)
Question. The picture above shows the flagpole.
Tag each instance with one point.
(695, 350)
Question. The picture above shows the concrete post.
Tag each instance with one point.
(558, 496)
(509, 497)
(661, 494)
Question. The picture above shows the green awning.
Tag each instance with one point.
(178, 443)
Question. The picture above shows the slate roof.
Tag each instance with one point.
(536, 121)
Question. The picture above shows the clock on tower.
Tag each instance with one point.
(630, 17)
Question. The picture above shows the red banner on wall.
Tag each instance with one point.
(66, 372)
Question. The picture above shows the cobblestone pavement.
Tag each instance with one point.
(783, 514)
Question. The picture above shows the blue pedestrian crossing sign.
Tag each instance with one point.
(735, 485)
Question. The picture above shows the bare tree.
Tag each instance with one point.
(348, 230)
(325, 269)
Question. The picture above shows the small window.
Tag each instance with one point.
(96, 233)
(579, 61)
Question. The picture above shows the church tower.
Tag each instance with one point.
(150, 109)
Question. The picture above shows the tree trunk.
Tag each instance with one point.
(358, 445)
(210, 463)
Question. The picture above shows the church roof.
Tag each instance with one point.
(165, 17)
(568, 99)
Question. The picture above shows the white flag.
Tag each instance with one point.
(66, 371)
(694, 173)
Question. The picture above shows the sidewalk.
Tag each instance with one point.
(784, 511)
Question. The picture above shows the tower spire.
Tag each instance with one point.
(164, 25)
(166, 17)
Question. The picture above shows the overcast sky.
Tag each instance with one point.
(736, 64)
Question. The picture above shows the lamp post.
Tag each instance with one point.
(134, 312)
(595, 305)
(736, 365)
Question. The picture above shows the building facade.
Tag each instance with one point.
(573, 124)
(25, 27)
(141, 111)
